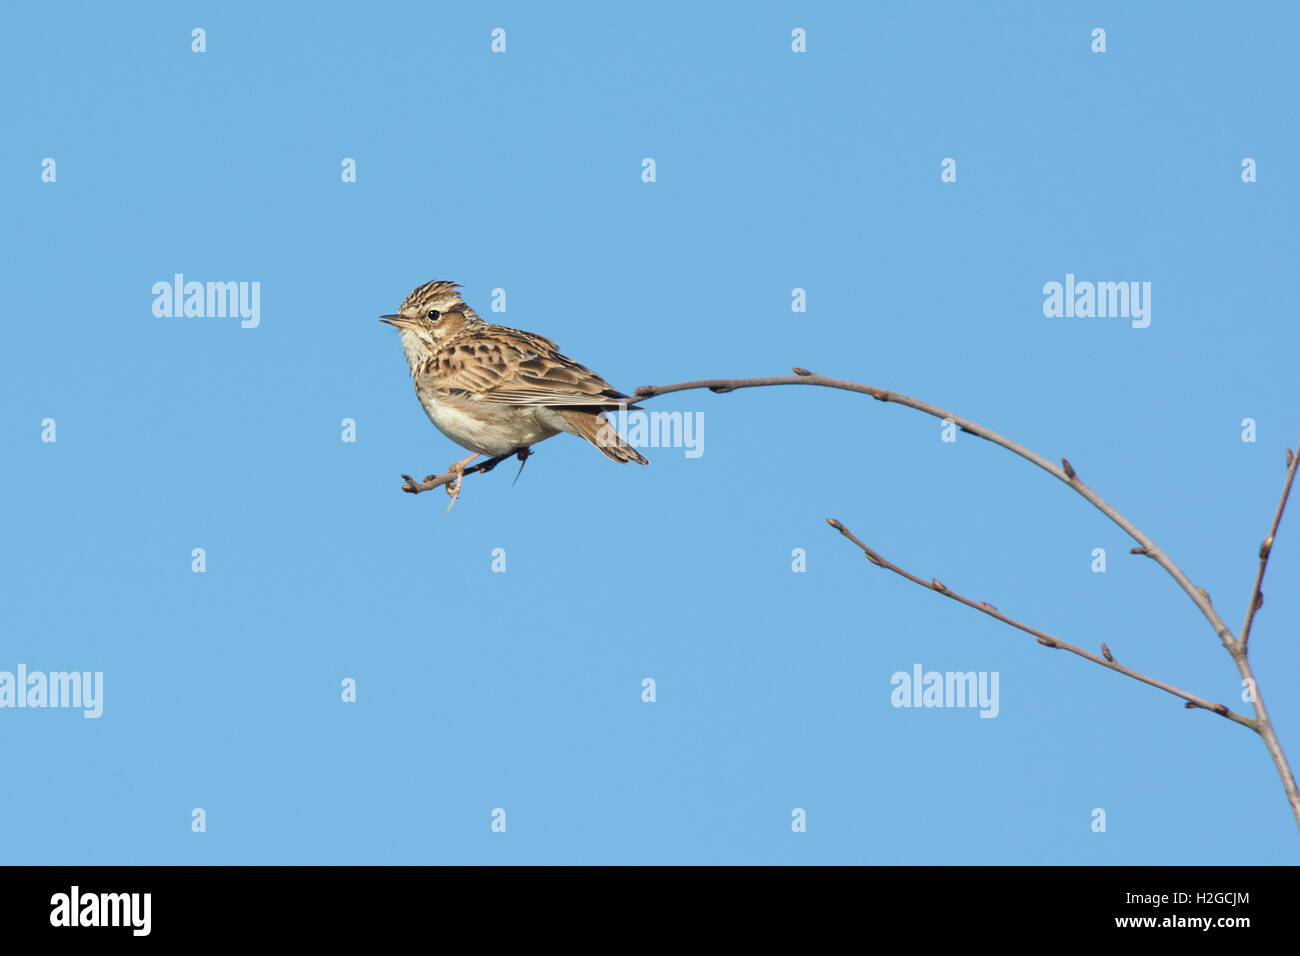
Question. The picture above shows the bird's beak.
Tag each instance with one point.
(397, 321)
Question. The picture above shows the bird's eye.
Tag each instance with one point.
(434, 315)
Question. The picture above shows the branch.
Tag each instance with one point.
(1066, 474)
(1264, 723)
(1047, 640)
(1265, 549)
(414, 487)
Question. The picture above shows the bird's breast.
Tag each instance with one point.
(483, 427)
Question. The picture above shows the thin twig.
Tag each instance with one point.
(1265, 549)
(1047, 640)
(414, 487)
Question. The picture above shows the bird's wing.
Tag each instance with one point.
(519, 368)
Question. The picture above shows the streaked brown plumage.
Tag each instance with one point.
(496, 390)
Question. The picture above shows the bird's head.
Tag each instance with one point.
(430, 316)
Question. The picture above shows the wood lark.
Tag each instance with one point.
(496, 390)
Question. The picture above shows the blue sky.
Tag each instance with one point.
(522, 690)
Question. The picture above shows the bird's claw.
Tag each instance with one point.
(453, 487)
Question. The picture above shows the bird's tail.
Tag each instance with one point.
(594, 427)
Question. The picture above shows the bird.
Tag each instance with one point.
(495, 390)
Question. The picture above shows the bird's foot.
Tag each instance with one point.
(453, 488)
